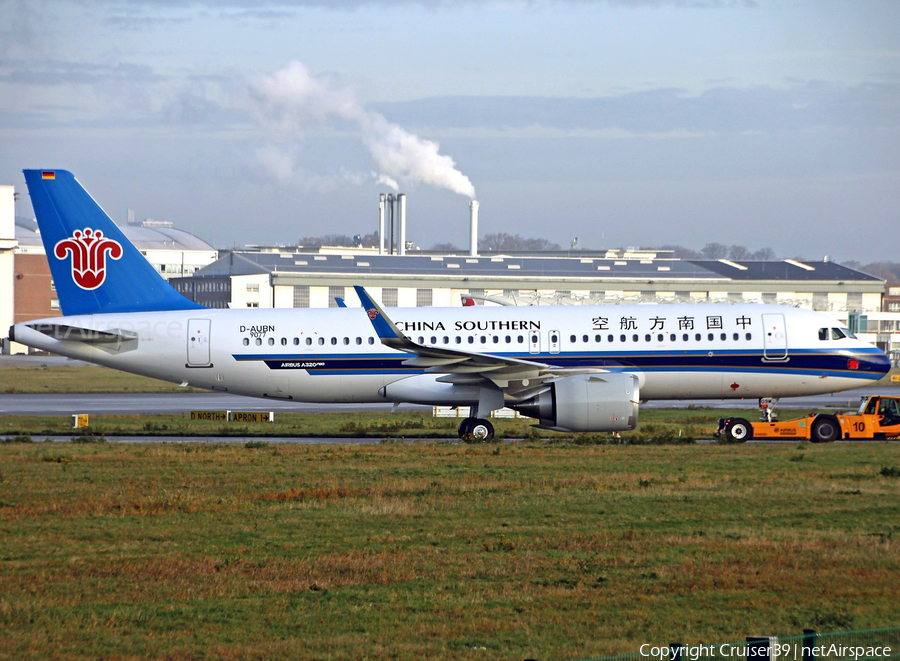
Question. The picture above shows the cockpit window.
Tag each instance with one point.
(836, 334)
(823, 333)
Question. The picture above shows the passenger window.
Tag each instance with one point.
(496, 339)
(521, 339)
(246, 341)
(647, 337)
(284, 341)
(621, 338)
(736, 336)
(572, 339)
(710, 337)
(697, 337)
(508, 339)
(471, 339)
(660, 337)
(259, 341)
(446, 340)
(334, 340)
(433, 339)
(346, 341)
(749, 336)
(672, 337)
(308, 341)
(597, 337)
(823, 333)
(321, 341)
(585, 338)
(371, 340)
(483, 339)
(271, 341)
(421, 340)
(685, 337)
(610, 337)
(359, 340)
(723, 337)
(634, 338)
(458, 339)
(296, 341)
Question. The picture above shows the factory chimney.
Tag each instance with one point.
(473, 228)
(401, 203)
(381, 202)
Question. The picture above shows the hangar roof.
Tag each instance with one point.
(249, 262)
(144, 238)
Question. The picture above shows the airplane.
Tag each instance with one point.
(572, 368)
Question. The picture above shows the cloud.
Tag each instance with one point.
(52, 73)
(345, 5)
(292, 98)
(802, 106)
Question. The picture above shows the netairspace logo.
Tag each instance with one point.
(773, 651)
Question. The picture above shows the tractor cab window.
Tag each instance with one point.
(889, 408)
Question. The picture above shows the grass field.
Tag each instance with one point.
(656, 425)
(78, 379)
(437, 550)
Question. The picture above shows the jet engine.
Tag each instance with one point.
(586, 402)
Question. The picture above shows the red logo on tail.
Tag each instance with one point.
(89, 250)
(372, 312)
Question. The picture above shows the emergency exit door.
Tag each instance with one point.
(774, 337)
(198, 343)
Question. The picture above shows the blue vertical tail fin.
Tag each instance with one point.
(95, 267)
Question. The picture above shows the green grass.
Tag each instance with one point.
(437, 550)
(32, 379)
(656, 425)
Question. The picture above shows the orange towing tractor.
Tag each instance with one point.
(877, 418)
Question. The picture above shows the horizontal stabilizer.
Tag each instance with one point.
(88, 335)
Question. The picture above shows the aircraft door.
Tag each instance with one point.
(553, 340)
(774, 337)
(534, 340)
(198, 343)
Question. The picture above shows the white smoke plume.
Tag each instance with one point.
(291, 98)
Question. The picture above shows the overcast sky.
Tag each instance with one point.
(620, 122)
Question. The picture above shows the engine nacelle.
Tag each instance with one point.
(587, 402)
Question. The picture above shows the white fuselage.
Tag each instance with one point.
(678, 351)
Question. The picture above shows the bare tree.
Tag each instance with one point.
(714, 251)
(738, 253)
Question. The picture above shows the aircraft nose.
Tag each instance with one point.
(877, 363)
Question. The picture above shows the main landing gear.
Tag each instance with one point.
(474, 429)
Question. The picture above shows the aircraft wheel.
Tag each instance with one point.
(738, 430)
(476, 430)
(825, 429)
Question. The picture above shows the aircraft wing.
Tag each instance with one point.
(514, 375)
